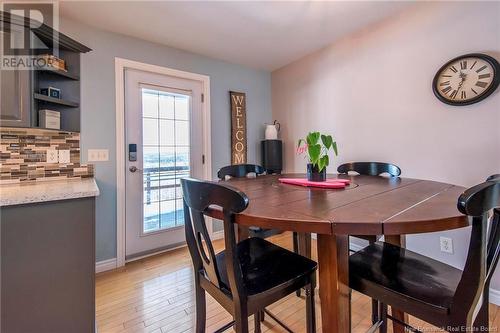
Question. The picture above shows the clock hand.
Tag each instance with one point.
(462, 76)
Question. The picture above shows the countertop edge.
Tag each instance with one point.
(15, 195)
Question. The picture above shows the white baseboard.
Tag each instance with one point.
(105, 265)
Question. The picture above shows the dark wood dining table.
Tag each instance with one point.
(370, 205)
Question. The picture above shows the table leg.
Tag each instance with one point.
(334, 292)
(305, 244)
(398, 240)
(243, 232)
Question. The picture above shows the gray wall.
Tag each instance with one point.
(98, 108)
(372, 91)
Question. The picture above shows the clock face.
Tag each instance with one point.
(466, 80)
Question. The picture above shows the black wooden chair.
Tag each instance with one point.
(437, 293)
(241, 171)
(301, 246)
(370, 169)
(494, 177)
(247, 276)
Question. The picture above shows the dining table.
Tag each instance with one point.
(368, 205)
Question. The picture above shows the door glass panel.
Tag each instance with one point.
(182, 108)
(167, 133)
(167, 106)
(166, 144)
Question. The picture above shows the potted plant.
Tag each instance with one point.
(317, 146)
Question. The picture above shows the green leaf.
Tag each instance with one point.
(323, 163)
(334, 146)
(312, 138)
(314, 152)
(327, 141)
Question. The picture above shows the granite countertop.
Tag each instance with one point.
(19, 194)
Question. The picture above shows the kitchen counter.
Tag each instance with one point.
(19, 194)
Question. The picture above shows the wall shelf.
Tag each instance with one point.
(22, 102)
(59, 72)
(53, 100)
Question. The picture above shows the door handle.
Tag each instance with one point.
(134, 169)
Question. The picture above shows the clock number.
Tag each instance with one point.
(474, 64)
(463, 64)
(445, 90)
(453, 69)
(464, 95)
(475, 92)
(480, 69)
(446, 83)
(484, 76)
(453, 94)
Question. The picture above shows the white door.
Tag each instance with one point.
(164, 143)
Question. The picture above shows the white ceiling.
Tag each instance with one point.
(266, 35)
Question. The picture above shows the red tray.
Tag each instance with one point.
(329, 183)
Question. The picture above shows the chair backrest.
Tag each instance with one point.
(478, 202)
(493, 178)
(239, 170)
(198, 197)
(370, 168)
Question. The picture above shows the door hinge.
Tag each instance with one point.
(203, 159)
(202, 98)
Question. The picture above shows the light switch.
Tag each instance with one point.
(103, 155)
(97, 155)
(52, 156)
(64, 156)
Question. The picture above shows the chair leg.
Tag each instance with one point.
(375, 310)
(201, 309)
(262, 316)
(241, 320)
(383, 317)
(375, 303)
(296, 250)
(310, 310)
(257, 320)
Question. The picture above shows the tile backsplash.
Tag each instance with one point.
(23, 155)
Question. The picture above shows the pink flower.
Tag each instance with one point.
(301, 149)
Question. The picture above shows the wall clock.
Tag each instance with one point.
(466, 79)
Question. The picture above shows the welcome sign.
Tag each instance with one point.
(238, 128)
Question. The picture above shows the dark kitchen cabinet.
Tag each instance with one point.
(20, 97)
(48, 267)
(15, 98)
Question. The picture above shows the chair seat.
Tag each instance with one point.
(403, 278)
(265, 265)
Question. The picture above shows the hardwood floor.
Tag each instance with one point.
(155, 295)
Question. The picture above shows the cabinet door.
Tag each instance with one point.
(15, 106)
(15, 97)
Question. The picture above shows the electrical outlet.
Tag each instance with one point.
(52, 156)
(446, 244)
(97, 155)
(64, 156)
